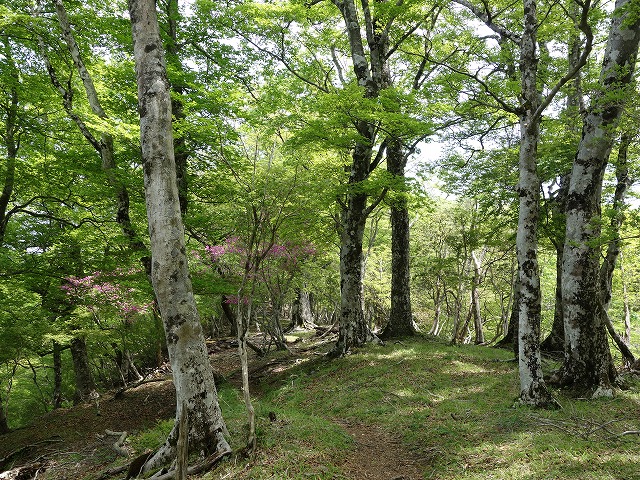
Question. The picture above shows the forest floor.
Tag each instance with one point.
(408, 410)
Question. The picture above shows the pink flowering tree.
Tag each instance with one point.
(115, 306)
(261, 276)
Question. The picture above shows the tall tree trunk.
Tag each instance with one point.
(575, 108)
(57, 375)
(401, 322)
(533, 390)
(588, 365)
(11, 137)
(613, 248)
(301, 313)
(475, 299)
(353, 329)
(192, 372)
(437, 307)
(85, 385)
(229, 315)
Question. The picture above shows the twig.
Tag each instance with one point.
(4, 461)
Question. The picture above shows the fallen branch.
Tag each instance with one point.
(5, 461)
(118, 444)
(255, 348)
(328, 330)
(585, 429)
(113, 472)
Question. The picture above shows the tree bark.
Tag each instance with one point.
(533, 390)
(192, 371)
(475, 299)
(437, 307)
(57, 375)
(354, 331)
(575, 109)
(85, 385)
(588, 365)
(301, 314)
(229, 315)
(401, 322)
(353, 328)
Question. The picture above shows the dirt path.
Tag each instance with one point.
(73, 444)
(377, 456)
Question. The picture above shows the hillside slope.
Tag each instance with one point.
(408, 410)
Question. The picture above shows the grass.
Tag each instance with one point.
(453, 408)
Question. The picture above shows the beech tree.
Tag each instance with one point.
(192, 371)
(588, 365)
(529, 111)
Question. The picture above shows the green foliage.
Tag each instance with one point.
(152, 438)
(452, 407)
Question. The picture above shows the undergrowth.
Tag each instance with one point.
(453, 408)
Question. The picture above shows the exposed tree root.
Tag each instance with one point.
(204, 466)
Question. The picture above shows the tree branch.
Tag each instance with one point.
(487, 18)
(588, 33)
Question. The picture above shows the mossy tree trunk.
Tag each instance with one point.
(192, 372)
(85, 385)
(588, 365)
(401, 322)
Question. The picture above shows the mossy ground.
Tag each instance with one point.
(453, 408)
(418, 408)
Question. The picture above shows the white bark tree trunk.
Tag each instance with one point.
(475, 297)
(192, 372)
(588, 365)
(533, 390)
